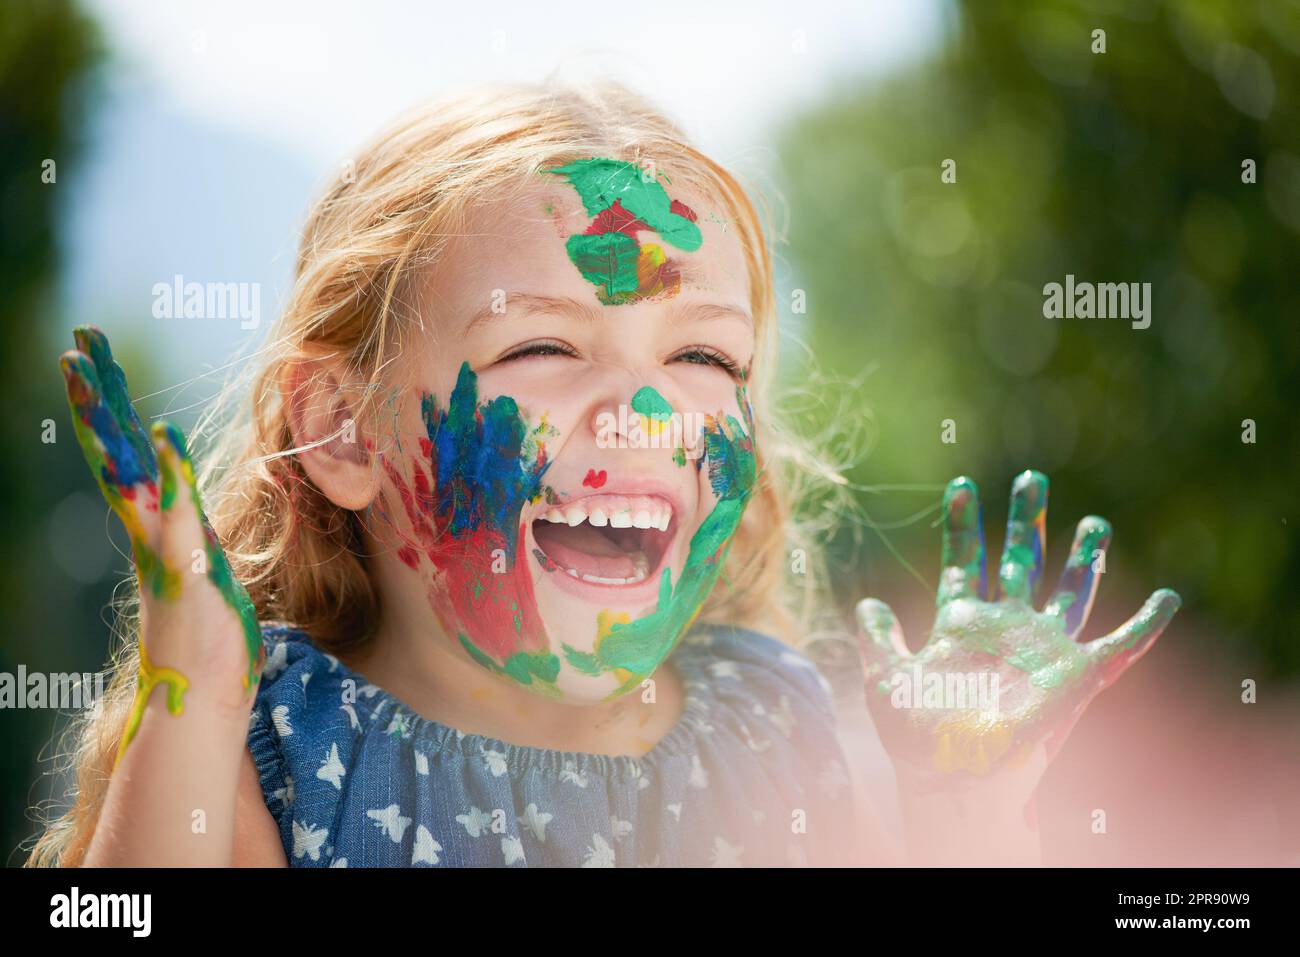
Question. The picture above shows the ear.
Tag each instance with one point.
(323, 421)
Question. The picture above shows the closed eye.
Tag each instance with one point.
(707, 356)
(545, 348)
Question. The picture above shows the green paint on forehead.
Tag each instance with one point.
(603, 182)
(624, 201)
(651, 404)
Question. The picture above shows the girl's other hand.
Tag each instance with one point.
(999, 684)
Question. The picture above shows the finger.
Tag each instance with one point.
(1074, 594)
(112, 459)
(1025, 546)
(879, 635)
(1114, 653)
(963, 574)
(92, 342)
(181, 540)
(193, 538)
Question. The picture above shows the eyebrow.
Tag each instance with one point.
(519, 305)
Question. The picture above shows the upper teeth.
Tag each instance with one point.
(656, 516)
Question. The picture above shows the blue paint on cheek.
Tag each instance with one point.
(485, 473)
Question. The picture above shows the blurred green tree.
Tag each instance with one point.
(1126, 165)
(48, 57)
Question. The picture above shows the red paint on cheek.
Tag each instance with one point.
(595, 479)
(497, 604)
(470, 590)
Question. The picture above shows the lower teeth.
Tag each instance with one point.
(641, 569)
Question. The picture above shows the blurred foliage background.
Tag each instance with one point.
(924, 303)
(1124, 166)
(49, 54)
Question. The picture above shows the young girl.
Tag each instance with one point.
(497, 561)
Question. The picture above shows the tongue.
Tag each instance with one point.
(592, 551)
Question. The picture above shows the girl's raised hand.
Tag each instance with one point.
(199, 635)
(999, 681)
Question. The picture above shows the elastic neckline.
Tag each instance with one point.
(520, 758)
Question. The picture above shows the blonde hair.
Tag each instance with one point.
(391, 213)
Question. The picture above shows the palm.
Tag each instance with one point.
(999, 679)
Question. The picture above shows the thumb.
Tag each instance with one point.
(1112, 654)
(879, 636)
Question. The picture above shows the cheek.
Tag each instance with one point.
(455, 497)
(705, 390)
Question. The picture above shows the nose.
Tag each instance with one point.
(630, 403)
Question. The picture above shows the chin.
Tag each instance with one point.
(597, 560)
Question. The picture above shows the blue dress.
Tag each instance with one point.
(751, 775)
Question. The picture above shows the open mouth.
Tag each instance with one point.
(607, 539)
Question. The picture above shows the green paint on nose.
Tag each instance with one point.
(651, 404)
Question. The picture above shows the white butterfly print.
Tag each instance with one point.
(699, 776)
(496, 762)
(426, 848)
(331, 769)
(569, 774)
(307, 840)
(536, 821)
(600, 854)
(285, 794)
(476, 822)
(421, 763)
(280, 718)
(799, 661)
(276, 661)
(390, 821)
(352, 716)
(400, 725)
(724, 669)
(512, 849)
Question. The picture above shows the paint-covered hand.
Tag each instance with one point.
(999, 684)
(198, 625)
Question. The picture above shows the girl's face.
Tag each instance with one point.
(570, 469)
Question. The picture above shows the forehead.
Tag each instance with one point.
(519, 243)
